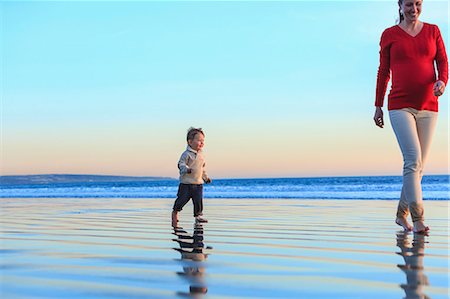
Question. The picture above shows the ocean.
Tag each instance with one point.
(435, 187)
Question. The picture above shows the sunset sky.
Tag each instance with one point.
(282, 89)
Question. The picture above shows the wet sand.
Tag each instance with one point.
(258, 248)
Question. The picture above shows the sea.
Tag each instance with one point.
(435, 187)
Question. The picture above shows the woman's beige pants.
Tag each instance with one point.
(414, 130)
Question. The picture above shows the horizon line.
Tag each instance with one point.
(218, 178)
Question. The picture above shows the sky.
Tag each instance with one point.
(281, 89)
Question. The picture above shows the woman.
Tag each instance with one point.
(409, 51)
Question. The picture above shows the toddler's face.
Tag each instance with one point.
(197, 143)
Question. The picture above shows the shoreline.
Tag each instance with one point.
(345, 188)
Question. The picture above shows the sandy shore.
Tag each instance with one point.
(126, 248)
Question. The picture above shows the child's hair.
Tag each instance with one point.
(192, 132)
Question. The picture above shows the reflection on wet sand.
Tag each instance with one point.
(192, 250)
(75, 248)
(413, 254)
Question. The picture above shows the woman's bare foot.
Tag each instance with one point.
(404, 223)
(420, 227)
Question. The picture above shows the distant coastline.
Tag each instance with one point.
(73, 178)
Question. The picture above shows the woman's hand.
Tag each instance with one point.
(439, 88)
(378, 117)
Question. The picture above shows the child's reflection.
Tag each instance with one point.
(192, 253)
(413, 254)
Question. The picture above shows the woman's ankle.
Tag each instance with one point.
(420, 227)
(403, 222)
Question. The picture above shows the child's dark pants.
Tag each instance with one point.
(185, 193)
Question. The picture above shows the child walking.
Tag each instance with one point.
(192, 176)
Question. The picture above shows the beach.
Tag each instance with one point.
(251, 248)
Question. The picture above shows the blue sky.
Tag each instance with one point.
(281, 88)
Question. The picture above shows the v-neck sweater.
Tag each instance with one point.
(410, 60)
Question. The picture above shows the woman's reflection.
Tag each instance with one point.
(413, 254)
(192, 250)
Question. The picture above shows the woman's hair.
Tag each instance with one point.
(192, 132)
(400, 14)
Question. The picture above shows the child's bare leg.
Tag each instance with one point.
(183, 196)
(174, 218)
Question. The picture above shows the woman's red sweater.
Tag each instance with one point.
(411, 62)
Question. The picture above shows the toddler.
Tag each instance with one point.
(192, 176)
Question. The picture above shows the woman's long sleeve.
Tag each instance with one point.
(384, 71)
(441, 58)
